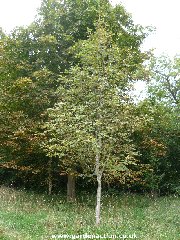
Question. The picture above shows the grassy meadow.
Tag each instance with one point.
(27, 215)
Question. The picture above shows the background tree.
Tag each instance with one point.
(165, 80)
(26, 94)
(158, 140)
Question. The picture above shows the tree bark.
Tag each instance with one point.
(50, 176)
(98, 200)
(71, 188)
(98, 196)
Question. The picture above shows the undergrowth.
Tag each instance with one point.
(31, 216)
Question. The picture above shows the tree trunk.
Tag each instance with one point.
(98, 200)
(98, 196)
(71, 188)
(50, 176)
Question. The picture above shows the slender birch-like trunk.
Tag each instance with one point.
(71, 188)
(98, 200)
(98, 196)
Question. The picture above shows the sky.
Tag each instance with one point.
(162, 14)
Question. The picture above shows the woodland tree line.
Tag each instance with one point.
(67, 109)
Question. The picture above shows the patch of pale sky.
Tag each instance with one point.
(164, 15)
(17, 13)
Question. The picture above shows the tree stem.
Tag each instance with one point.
(71, 188)
(50, 176)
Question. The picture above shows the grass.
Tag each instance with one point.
(29, 216)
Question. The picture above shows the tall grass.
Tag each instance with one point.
(26, 215)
